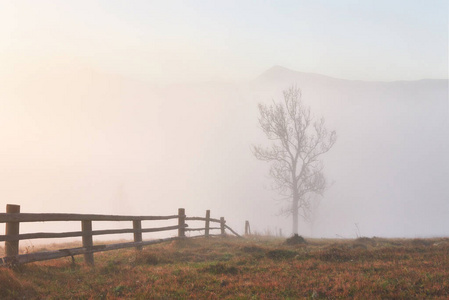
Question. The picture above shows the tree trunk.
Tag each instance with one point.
(295, 200)
(295, 203)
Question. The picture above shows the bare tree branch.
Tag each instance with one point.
(297, 143)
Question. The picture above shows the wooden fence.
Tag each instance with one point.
(12, 236)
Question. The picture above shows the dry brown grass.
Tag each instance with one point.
(244, 268)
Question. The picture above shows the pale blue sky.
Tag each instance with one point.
(184, 41)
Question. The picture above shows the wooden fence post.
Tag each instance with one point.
(137, 225)
(206, 232)
(222, 225)
(86, 227)
(12, 228)
(247, 228)
(181, 222)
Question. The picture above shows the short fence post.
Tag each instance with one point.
(12, 228)
(86, 227)
(222, 225)
(181, 222)
(247, 228)
(206, 232)
(137, 226)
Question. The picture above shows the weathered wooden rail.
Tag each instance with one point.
(12, 235)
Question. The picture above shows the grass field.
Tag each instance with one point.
(250, 268)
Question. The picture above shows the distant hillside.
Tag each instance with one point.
(282, 74)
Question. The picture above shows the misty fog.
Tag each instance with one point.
(77, 140)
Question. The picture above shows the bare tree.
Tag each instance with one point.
(298, 141)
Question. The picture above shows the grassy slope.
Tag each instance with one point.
(242, 269)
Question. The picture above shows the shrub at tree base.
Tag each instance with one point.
(295, 240)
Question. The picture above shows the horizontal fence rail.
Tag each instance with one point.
(49, 235)
(47, 255)
(202, 219)
(200, 229)
(27, 217)
(12, 236)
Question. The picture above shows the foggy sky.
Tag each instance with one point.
(118, 146)
(143, 108)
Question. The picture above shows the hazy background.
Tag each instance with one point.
(142, 107)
